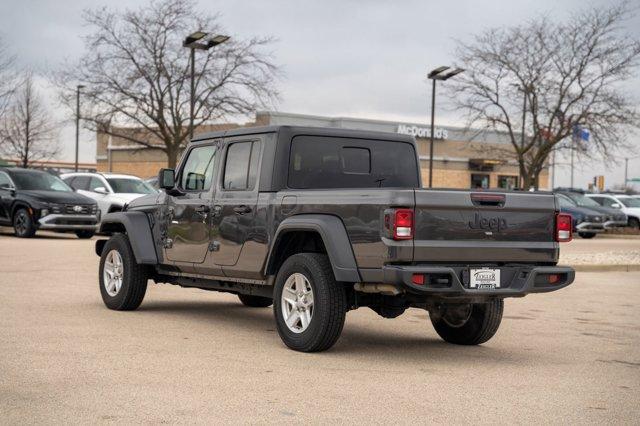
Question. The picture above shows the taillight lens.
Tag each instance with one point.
(399, 223)
(564, 228)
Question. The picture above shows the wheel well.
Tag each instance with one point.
(293, 242)
(113, 227)
(114, 208)
(17, 206)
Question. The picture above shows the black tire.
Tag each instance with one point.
(134, 276)
(23, 225)
(634, 224)
(83, 235)
(479, 327)
(329, 303)
(586, 235)
(255, 301)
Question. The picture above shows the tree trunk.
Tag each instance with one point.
(172, 157)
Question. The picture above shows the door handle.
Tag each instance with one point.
(242, 209)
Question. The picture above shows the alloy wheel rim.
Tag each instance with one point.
(21, 224)
(297, 303)
(113, 273)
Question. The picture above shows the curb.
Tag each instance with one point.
(606, 268)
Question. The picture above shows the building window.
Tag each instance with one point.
(508, 182)
(479, 181)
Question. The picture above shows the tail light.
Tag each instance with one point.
(399, 223)
(564, 228)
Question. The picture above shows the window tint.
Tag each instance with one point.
(39, 181)
(608, 202)
(241, 166)
(130, 186)
(331, 162)
(598, 200)
(630, 202)
(94, 183)
(81, 182)
(5, 182)
(197, 172)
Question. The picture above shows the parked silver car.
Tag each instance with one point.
(111, 191)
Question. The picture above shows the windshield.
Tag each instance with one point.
(582, 201)
(630, 202)
(39, 181)
(130, 186)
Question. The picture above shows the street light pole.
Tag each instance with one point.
(626, 169)
(437, 74)
(202, 41)
(78, 87)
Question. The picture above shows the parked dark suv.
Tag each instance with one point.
(31, 200)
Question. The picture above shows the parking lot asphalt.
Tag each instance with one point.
(191, 356)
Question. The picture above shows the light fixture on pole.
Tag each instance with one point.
(199, 40)
(440, 73)
(78, 87)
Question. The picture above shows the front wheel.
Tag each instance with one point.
(634, 224)
(468, 324)
(309, 304)
(84, 235)
(23, 225)
(255, 301)
(123, 282)
(586, 235)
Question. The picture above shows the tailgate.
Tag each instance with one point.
(483, 227)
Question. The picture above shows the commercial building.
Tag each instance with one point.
(463, 158)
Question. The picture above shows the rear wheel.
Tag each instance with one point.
(468, 324)
(309, 304)
(23, 225)
(586, 235)
(255, 301)
(83, 235)
(123, 282)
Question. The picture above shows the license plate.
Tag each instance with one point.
(485, 279)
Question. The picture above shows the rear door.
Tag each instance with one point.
(189, 212)
(462, 227)
(236, 200)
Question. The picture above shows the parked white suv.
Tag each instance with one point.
(627, 204)
(111, 191)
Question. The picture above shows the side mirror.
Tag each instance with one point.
(166, 179)
(616, 205)
(101, 190)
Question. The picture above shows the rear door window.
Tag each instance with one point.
(333, 162)
(241, 165)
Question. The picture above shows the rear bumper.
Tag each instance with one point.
(69, 222)
(516, 280)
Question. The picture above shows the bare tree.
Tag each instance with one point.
(570, 74)
(7, 76)
(27, 131)
(137, 74)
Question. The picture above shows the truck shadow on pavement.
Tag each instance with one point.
(356, 337)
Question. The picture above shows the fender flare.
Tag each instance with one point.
(335, 239)
(140, 236)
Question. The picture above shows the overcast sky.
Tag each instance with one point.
(340, 58)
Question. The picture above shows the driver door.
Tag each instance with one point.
(189, 215)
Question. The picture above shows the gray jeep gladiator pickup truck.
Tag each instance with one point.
(320, 221)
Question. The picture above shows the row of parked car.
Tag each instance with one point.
(73, 202)
(596, 213)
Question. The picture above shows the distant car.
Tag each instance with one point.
(625, 203)
(153, 181)
(615, 218)
(110, 191)
(31, 200)
(586, 222)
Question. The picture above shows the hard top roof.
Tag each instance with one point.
(306, 130)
